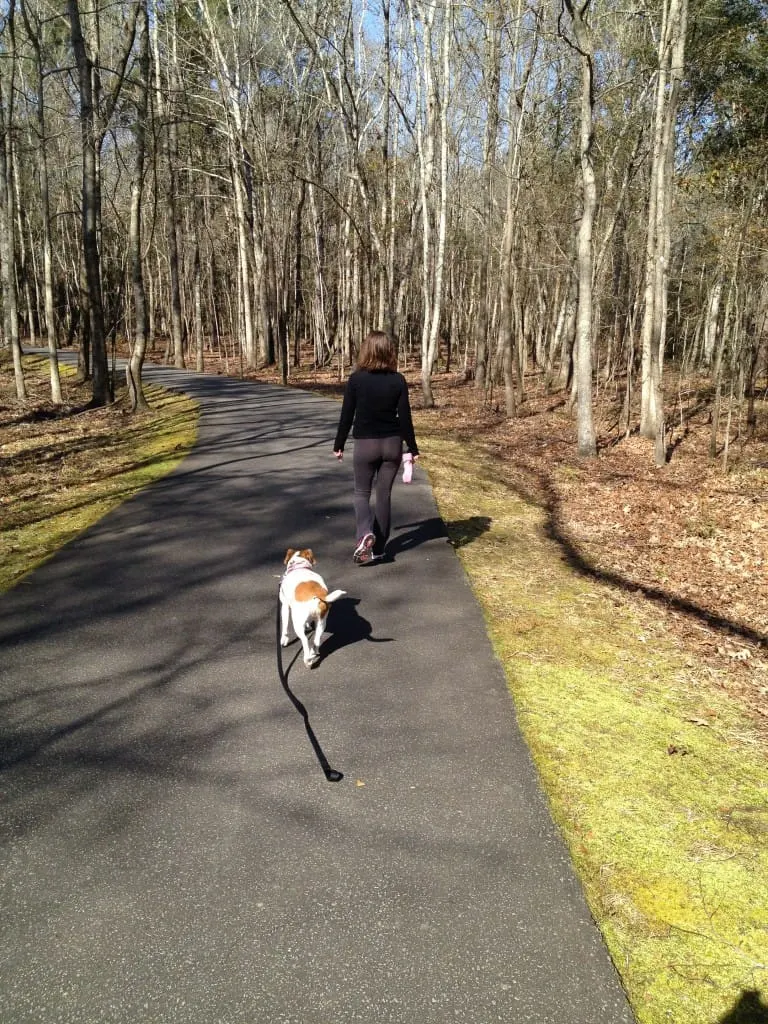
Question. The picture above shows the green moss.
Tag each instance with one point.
(657, 780)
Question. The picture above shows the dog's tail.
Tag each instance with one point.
(321, 603)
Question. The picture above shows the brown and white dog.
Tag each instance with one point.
(304, 600)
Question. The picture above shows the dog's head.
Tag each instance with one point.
(305, 554)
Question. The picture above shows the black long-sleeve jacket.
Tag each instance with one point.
(377, 403)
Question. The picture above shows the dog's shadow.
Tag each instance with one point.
(347, 626)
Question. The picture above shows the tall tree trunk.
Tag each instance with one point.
(425, 145)
(7, 225)
(586, 442)
(509, 339)
(712, 321)
(441, 94)
(492, 79)
(386, 315)
(101, 384)
(230, 89)
(168, 143)
(197, 304)
(298, 290)
(33, 32)
(139, 347)
(671, 55)
(266, 353)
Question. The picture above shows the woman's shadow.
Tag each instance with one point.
(458, 532)
(750, 1009)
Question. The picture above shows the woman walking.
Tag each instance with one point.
(377, 410)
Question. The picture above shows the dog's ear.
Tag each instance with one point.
(289, 555)
(307, 553)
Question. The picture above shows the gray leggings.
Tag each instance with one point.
(377, 457)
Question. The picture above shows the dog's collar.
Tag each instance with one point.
(301, 563)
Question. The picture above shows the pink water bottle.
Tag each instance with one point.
(407, 467)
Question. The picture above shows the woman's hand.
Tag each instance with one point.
(339, 455)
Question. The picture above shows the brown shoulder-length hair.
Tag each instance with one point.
(377, 352)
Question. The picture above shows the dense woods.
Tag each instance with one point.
(574, 193)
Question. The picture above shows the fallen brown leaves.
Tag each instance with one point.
(688, 543)
(41, 438)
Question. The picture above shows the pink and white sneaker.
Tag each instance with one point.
(364, 551)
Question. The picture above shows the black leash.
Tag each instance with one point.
(330, 773)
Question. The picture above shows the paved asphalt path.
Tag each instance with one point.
(171, 848)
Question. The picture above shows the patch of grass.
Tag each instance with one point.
(65, 469)
(657, 779)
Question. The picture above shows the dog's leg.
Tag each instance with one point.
(311, 654)
(311, 657)
(285, 615)
(319, 630)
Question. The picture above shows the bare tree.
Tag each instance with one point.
(141, 91)
(229, 78)
(432, 149)
(586, 443)
(7, 226)
(671, 50)
(92, 140)
(322, 167)
(509, 340)
(492, 85)
(167, 90)
(34, 32)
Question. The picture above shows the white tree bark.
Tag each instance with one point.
(32, 24)
(586, 440)
(432, 84)
(139, 347)
(7, 225)
(492, 82)
(509, 342)
(229, 82)
(671, 52)
(712, 319)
